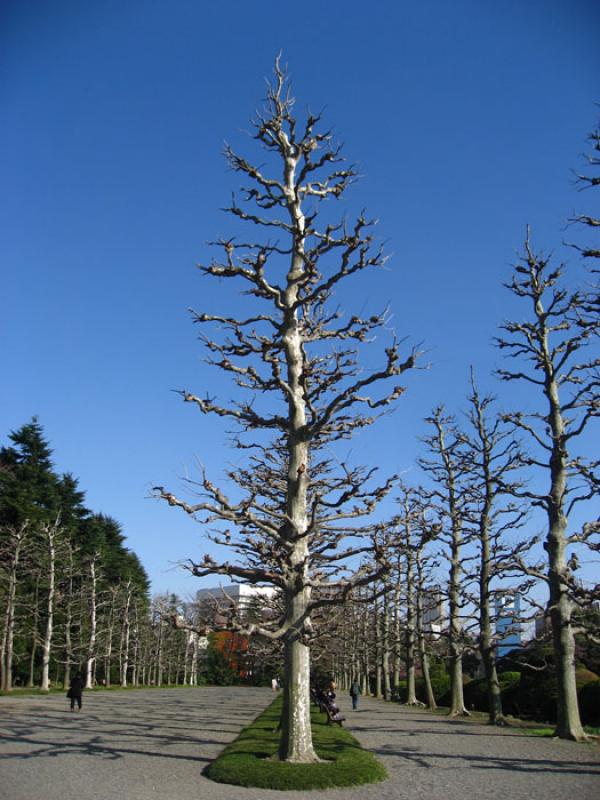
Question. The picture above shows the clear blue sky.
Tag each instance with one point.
(466, 118)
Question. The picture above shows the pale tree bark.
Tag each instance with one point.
(378, 646)
(110, 630)
(492, 455)
(126, 630)
(35, 618)
(68, 612)
(93, 622)
(561, 324)
(386, 642)
(290, 529)
(424, 566)
(422, 645)
(12, 547)
(405, 522)
(366, 661)
(51, 534)
(136, 644)
(411, 612)
(397, 628)
(447, 471)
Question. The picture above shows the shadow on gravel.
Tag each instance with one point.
(44, 749)
(491, 731)
(168, 727)
(461, 761)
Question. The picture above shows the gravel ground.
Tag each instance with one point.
(153, 745)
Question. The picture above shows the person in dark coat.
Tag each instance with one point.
(354, 694)
(76, 690)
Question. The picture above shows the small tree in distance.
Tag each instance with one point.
(296, 364)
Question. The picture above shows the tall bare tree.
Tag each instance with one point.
(407, 521)
(549, 351)
(446, 467)
(492, 455)
(51, 533)
(296, 361)
(13, 540)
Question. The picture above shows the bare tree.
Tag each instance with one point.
(407, 522)
(549, 354)
(13, 541)
(288, 529)
(51, 534)
(424, 565)
(492, 455)
(449, 500)
(92, 615)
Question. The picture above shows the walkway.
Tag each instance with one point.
(153, 745)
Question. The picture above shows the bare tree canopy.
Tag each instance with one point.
(295, 361)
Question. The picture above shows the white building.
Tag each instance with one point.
(242, 594)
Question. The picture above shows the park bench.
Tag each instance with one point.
(334, 716)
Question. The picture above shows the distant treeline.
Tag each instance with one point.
(72, 595)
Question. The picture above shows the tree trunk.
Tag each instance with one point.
(366, 642)
(68, 644)
(34, 633)
(568, 725)
(378, 650)
(126, 631)
(9, 615)
(50, 533)
(457, 706)
(397, 636)
(385, 648)
(296, 733)
(486, 646)
(91, 645)
(422, 645)
(411, 691)
(568, 721)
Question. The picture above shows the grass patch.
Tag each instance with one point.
(246, 761)
(548, 731)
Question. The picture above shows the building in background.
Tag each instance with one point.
(508, 623)
(243, 595)
(434, 611)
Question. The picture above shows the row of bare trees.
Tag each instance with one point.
(72, 596)
(60, 615)
(299, 517)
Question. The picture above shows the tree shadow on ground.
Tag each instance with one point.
(489, 762)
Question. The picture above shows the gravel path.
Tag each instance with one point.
(153, 745)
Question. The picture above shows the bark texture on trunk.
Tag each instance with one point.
(560, 604)
(47, 644)
(296, 733)
(93, 620)
(9, 614)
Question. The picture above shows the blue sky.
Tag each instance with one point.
(466, 119)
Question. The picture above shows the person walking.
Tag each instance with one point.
(76, 690)
(354, 694)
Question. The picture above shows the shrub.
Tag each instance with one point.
(538, 692)
(589, 703)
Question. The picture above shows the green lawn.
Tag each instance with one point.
(548, 731)
(247, 760)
